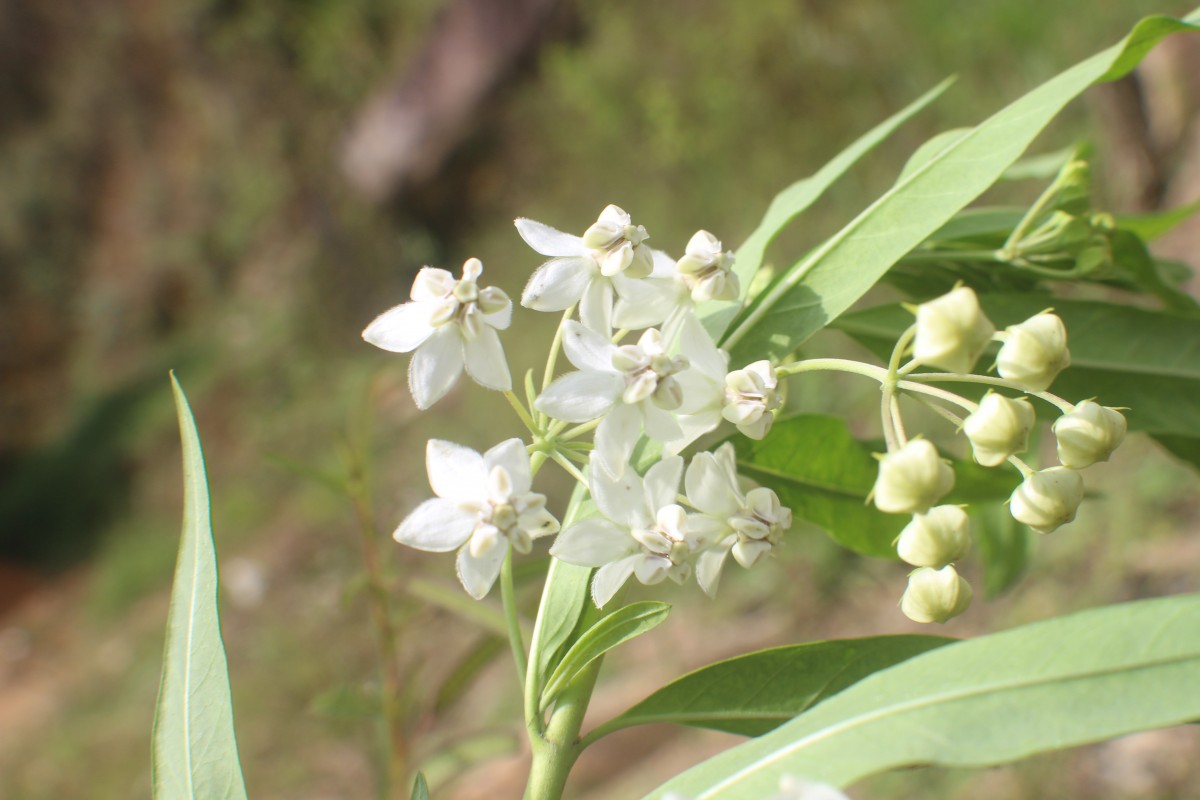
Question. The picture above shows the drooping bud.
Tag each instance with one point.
(936, 538)
(707, 270)
(1047, 499)
(935, 595)
(999, 428)
(911, 479)
(952, 331)
(1088, 434)
(1034, 352)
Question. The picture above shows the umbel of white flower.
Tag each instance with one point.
(1034, 352)
(747, 525)
(911, 478)
(1047, 499)
(935, 595)
(952, 331)
(1088, 434)
(643, 530)
(483, 506)
(999, 428)
(631, 386)
(450, 324)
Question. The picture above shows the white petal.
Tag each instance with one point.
(646, 302)
(660, 424)
(580, 396)
(652, 569)
(500, 320)
(709, 565)
(549, 241)
(697, 346)
(701, 392)
(586, 348)
(664, 265)
(709, 488)
(616, 436)
(455, 472)
(436, 366)
(400, 329)
(596, 305)
(662, 482)
(485, 360)
(432, 283)
(611, 577)
(621, 499)
(478, 574)
(436, 526)
(592, 542)
(511, 455)
(558, 283)
(693, 427)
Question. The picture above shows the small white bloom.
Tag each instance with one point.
(643, 530)
(1047, 498)
(707, 269)
(632, 386)
(935, 595)
(936, 538)
(911, 479)
(619, 245)
(1034, 352)
(747, 525)
(483, 506)
(952, 331)
(1088, 434)
(450, 324)
(999, 428)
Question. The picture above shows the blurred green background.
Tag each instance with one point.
(191, 184)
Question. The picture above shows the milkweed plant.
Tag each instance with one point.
(663, 397)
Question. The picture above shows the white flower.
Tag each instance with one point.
(632, 386)
(1034, 352)
(935, 595)
(450, 324)
(952, 331)
(707, 270)
(1088, 434)
(483, 506)
(934, 539)
(643, 530)
(911, 479)
(999, 428)
(748, 525)
(586, 269)
(1047, 498)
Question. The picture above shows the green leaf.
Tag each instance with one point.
(824, 475)
(1130, 256)
(1151, 226)
(829, 280)
(1042, 167)
(1082, 678)
(795, 199)
(194, 753)
(929, 150)
(609, 631)
(420, 790)
(757, 692)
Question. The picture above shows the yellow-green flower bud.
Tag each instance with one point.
(999, 428)
(936, 538)
(1047, 499)
(911, 479)
(952, 331)
(1034, 352)
(935, 595)
(1088, 434)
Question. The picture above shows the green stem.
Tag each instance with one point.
(555, 751)
(1062, 404)
(1009, 251)
(578, 430)
(511, 618)
(925, 256)
(521, 412)
(571, 469)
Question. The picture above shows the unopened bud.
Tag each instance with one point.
(1034, 352)
(999, 428)
(1047, 499)
(1088, 434)
(952, 331)
(911, 479)
(935, 538)
(935, 595)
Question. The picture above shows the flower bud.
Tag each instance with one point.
(707, 270)
(999, 428)
(1034, 352)
(911, 479)
(1047, 499)
(935, 595)
(952, 331)
(1088, 434)
(935, 538)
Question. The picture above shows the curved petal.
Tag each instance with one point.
(436, 526)
(485, 360)
(660, 425)
(708, 486)
(511, 455)
(401, 329)
(701, 393)
(693, 427)
(558, 283)
(662, 483)
(432, 284)
(549, 241)
(621, 499)
(697, 346)
(596, 305)
(592, 542)
(586, 348)
(652, 569)
(580, 396)
(500, 320)
(664, 265)
(615, 438)
(478, 574)
(436, 366)
(455, 472)
(709, 565)
(611, 577)
(646, 302)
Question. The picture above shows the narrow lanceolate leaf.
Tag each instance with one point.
(797, 198)
(614, 629)
(194, 751)
(757, 692)
(1069, 681)
(829, 280)
(420, 790)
